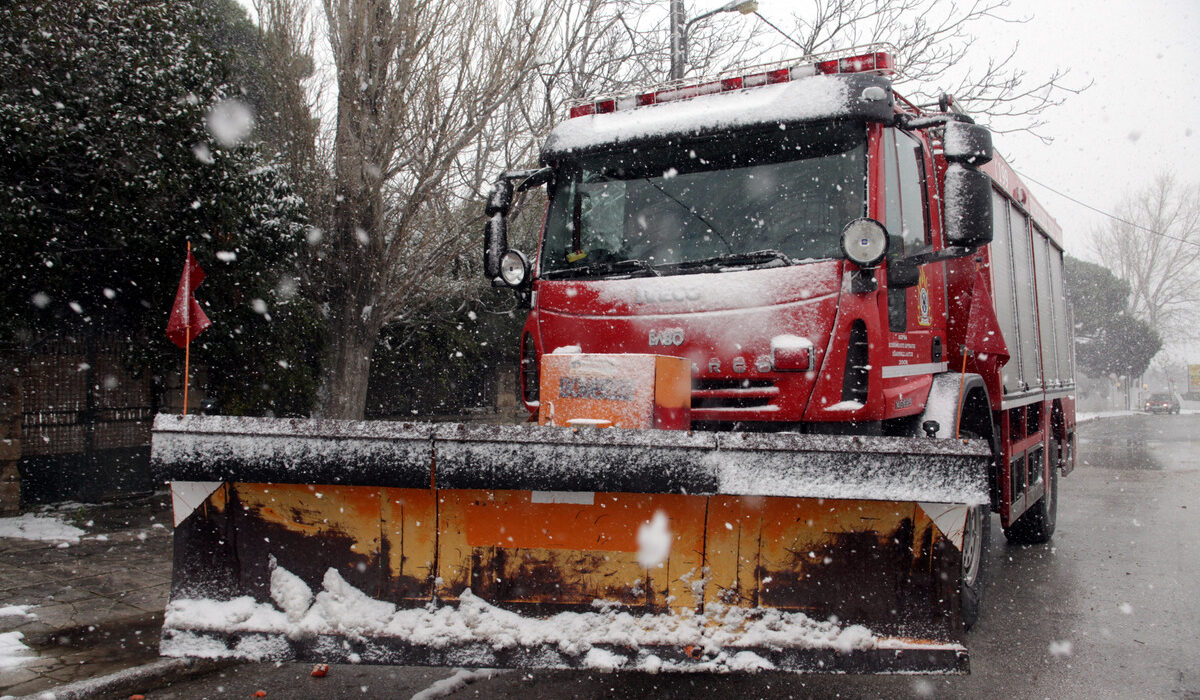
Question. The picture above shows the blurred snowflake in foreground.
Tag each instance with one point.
(230, 122)
(1061, 648)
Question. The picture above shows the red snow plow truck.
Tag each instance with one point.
(792, 340)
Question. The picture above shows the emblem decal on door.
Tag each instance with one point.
(924, 317)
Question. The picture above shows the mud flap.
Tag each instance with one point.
(520, 547)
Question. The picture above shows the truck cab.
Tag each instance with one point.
(711, 222)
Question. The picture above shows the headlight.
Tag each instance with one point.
(865, 242)
(514, 268)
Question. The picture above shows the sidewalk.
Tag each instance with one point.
(88, 607)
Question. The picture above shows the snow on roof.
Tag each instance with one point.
(811, 98)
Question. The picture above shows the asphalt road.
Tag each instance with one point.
(1109, 609)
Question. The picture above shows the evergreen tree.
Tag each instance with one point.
(124, 138)
(1108, 338)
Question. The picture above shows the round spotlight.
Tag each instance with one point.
(865, 242)
(514, 268)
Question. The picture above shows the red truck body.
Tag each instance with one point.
(726, 321)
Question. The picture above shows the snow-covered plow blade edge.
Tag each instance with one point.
(520, 546)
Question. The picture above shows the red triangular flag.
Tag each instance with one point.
(187, 318)
(983, 330)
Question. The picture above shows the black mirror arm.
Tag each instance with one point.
(951, 253)
(530, 178)
(863, 281)
(909, 122)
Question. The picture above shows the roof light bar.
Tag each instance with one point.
(877, 62)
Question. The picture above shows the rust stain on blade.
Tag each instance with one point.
(882, 564)
(879, 563)
(508, 549)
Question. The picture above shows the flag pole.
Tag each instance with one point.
(962, 377)
(187, 331)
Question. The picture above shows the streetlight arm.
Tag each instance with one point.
(742, 6)
(679, 29)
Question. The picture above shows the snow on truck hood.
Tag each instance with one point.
(817, 97)
(696, 293)
(714, 315)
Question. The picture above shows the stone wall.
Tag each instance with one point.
(10, 443)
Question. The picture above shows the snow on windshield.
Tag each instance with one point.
(766, 197)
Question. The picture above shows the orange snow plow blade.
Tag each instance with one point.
(540, 547)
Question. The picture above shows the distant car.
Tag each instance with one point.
(1161, 403)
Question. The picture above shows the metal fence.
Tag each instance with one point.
(85, 424)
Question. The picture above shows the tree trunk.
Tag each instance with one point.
(347, 365)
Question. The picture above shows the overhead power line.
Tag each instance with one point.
(1114, 217)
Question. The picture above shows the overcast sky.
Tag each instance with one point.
(1138, 119)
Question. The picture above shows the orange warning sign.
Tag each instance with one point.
(622, 391)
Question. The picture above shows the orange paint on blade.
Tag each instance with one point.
(511, 519)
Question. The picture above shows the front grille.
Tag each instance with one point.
(732, 393)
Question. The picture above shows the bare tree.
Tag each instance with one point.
(1154, 245)
(417, 82)
(285, 119)
(934, 41)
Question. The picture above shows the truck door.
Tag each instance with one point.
(916, 301)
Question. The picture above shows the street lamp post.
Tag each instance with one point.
(679, 29)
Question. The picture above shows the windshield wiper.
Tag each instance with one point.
(690, 210)
(598, 269)
(755, 257)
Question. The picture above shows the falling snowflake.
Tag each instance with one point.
(230, 122)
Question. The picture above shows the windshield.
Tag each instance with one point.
(768, 198)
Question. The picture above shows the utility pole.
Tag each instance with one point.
(680, 26)
(678, 42)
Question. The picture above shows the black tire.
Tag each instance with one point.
(1036, 525)
(976, 423)
(976, 538)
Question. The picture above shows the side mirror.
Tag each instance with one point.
(968, 207)
(970, 144)
(502, 266)
(500, 201)
(495, 243)
(495, 231)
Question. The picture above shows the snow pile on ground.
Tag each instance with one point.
(12, 651)
(17, 611)
(39, 527)
(1084, 417)
(340, 609)
(461, 679)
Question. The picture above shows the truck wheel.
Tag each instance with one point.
(1036, 525)
(976, 535)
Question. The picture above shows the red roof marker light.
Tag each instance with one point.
(878, 62)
